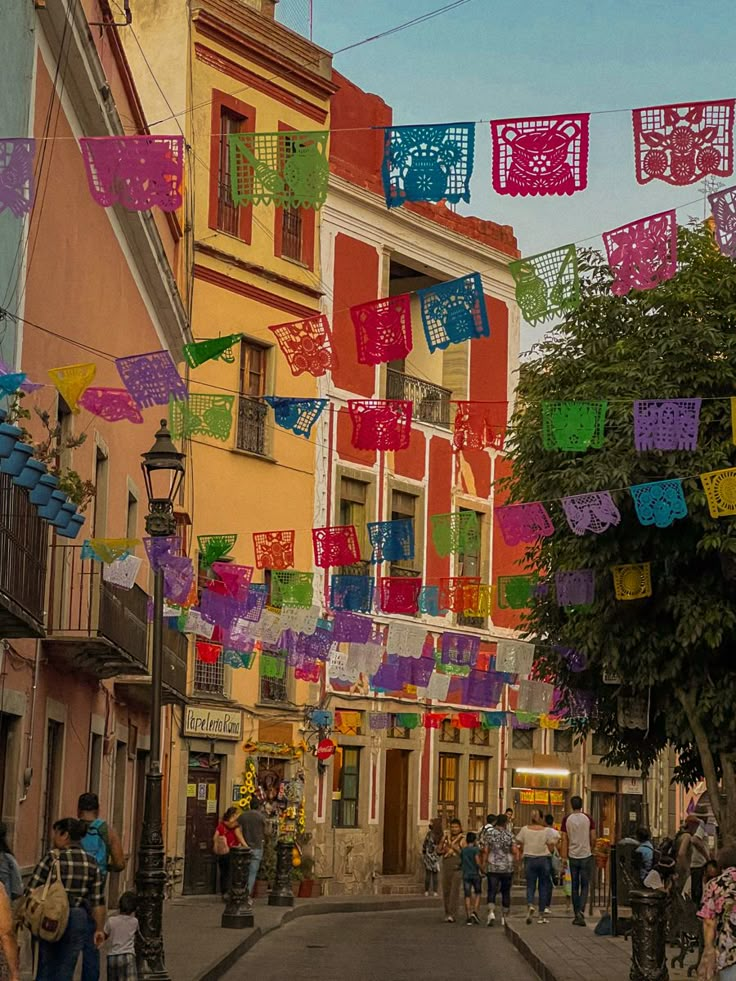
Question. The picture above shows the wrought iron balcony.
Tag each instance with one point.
(23, 549)
(431, 402)
(137, 688)
(94, 626)
(252, 425)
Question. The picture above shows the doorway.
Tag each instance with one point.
(203, 808)
(396, 798)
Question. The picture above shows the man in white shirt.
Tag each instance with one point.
(692, 854)
(576, 849)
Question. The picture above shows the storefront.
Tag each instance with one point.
(545, 788)
(616, 805)
(212, 735)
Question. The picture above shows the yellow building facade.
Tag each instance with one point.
(232, 68)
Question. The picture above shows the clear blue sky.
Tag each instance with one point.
(501, 58)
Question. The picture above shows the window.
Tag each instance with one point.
(227, 211)
(601, 744)
(563, 740)
(449, 733)
(291, 234)
(406, 505)
(469, 564)
(209, 679)
(345, 783)
(522, 738)
(480, 737)
(274, 689)
(52, 779)
(477, 791)
(252, 411)
(131, 518)
(396, 731)
(354, 511)
(447, 789)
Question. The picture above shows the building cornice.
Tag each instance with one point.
(267, 86)
(87, 96)
(363, 214)
(268, 44)
(215, 278)
(254, 269)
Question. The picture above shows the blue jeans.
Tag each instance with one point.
(256, 854)
(580, 871)
(537, 876)
(728, 973)
(90, 955)
(56, 962)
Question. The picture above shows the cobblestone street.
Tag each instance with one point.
(394, 946)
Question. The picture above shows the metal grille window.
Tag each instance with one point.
(396, 731)
(353, 511)
(522, 738)
(601, 744)
(480, 737)
(477, 791)
(209, 678)
(228, 217)
(345, 787)
(274, 689)
(251, 411)
(431, 402)
(563, 740)
(447, 787)
(449, 733)
(469, 564)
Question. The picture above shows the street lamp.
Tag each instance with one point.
(163, 472)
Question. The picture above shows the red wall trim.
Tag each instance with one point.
(215, 278)
(241, 74)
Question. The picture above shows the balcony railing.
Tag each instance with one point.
(23, 546)
(431, 402)
(99, 628)
(252, 425)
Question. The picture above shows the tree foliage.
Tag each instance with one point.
(677, 648)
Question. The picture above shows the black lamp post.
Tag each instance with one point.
(163, 472)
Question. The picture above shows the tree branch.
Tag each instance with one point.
(687, 700)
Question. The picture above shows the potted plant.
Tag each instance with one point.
(308, 885)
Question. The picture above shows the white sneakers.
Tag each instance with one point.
(491, 916)
(530, 915)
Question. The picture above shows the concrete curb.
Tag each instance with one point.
(317, 908)
(541, 969)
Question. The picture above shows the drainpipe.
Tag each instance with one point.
(28, 772)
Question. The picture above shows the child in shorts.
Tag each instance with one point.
(470, 866)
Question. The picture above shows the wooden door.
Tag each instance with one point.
(396, 794)
(203, 808)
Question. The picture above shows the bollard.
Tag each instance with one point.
(238, 913)
(282, 893)
(648, 952)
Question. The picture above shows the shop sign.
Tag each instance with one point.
(212, 723)
(631, 785)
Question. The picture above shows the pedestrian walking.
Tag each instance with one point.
(227, 835)
(450, 847)
(81, 878)
(254, 826)
(535, 848)
(719, 930)
(576, 848)
(431, 858)
(498, 857)
(470, 858)
(509, 812)
(9, 870)
(555, 862)
(9, 970)
(103, 843)
(120, 931)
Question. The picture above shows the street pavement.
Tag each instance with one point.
(401, 945)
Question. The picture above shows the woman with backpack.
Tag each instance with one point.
(60, 918)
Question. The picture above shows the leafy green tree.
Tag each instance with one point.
(677, 649)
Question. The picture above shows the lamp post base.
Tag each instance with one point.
(150, 881)
(648, 950)
(238, 914)
(282, 893)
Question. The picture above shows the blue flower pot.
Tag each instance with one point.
(41, 493)
(62, 518)
(8, 438)
(17, 460)
(73, 528)
(30, 474)
(49, 511)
